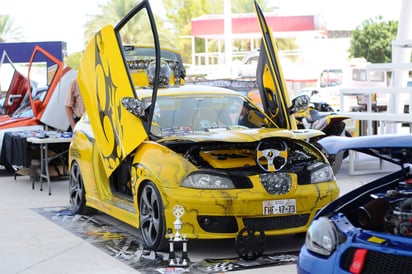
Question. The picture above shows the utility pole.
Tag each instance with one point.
(228, 34)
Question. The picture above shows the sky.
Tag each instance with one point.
(64, 20)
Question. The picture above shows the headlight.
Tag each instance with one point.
(321, 172)
(322, 237)
(207, 181)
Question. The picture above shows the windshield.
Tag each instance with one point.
(181, 115)
(148, 53)
(25, 109)
(331, 77)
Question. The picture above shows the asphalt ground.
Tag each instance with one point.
(35, 239)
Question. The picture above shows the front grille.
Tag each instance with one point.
(218, 224)
(276, 223)
(241, 181)
(378, 262)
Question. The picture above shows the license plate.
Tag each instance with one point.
(274, 207)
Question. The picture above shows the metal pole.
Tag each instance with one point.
(401, 54)
(228, 34)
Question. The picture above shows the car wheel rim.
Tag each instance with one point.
(75, 187)
(150, 215)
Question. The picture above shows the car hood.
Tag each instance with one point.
(390, 147)
(243, 135)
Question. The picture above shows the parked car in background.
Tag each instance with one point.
(144, 149)
(16, 86)
(249, 64)
(369, 229)
(43, 103)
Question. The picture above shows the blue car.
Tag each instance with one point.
(369, 229)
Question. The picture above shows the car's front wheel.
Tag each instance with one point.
(77, 192)
(152, 219)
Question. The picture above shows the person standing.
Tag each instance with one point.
(74, 104)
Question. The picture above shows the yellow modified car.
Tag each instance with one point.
(228, 165)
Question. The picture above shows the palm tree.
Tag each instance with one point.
(135, 32)
(7, 30)
(246, 6)
(181, 12)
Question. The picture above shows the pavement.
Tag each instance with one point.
(31, 243)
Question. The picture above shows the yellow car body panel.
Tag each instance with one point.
(116, 130)
(171, 170)
(272, 83)
(247, 205)
(121, 164)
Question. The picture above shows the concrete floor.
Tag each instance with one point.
(30, 243)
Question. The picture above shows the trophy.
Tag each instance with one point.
(177, 240)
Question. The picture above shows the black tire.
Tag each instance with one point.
(77, 192)
(152, 219)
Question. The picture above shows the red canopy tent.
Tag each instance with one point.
(245, 26)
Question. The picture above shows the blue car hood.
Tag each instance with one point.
(390, 147)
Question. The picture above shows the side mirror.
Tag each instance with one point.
(299, 103)
(314, 92)
(134, 106)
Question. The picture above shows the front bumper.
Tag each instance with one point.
(209, 214)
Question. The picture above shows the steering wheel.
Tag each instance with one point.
(271, 155)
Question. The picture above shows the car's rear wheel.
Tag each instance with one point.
(152, 219)
(77, 192)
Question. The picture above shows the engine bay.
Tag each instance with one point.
(388, 211)
(229, 155)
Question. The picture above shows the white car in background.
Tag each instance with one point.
(249, 64)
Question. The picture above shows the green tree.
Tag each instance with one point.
(73, 60)
(181, 12)
(113, 11)
(247, 6)
(109, 14)
(8, 31)
(372, 40)
(175, 26)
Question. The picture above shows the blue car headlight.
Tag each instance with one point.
(322, 237)
(201, 180)
(321, 172)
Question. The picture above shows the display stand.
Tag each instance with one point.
(44, 158)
